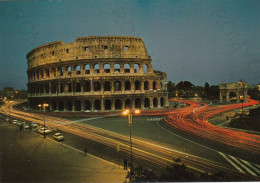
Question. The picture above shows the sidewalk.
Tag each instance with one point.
(27, 157)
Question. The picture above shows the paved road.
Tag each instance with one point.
(27, 157)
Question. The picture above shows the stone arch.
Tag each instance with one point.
(138, 103)
(87, 86)
(87, 105)
(162, 101)
(118, 104)
(53, 71)
(128, 103)
(96, 68)
(107, 104)
(97, 86)
(107, 86)
(146, 85)
(155, 102)
(41, 73)
(87, 69)
(37, 74)
(117, 68)
(69, 69)
(154, 85)
(61, 106)
(69, 105)
(53, 105)
(127, 85)
(97, 105)
(68, 87)
(126, 68)
(61, 88)
(47, 73)
(136, 68)
(77, 105)
(147, 103)
(145, 68)
(117, 86)
(137, 85)
(106, 68)
(77, 68)
(78, 87)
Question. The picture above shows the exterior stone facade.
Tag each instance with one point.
(239, 89)
(95, 73)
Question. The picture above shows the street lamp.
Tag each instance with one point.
(129, 113)
(10, 107)
(43, 106)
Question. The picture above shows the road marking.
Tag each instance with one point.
(234, 165)
(251, 166)
(243, 166)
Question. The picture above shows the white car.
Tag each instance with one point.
(34, 125)
(26, 126)
(7, 119)
(15, 121)
(41, 130)
(58, 136)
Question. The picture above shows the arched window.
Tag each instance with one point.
(69, 70)
(146, 102)
(96, 69)
(87, 105)
(146, 85)
(69, 106)
(97, 105)
(127, 68)
(87, 86)
(77, 70)
(107, 104)
(118, 104)
(107, 68)
(117, 86)
(127, 86)
(77, 105)
(162, 101)
(117, 68)
(145, 68)
(87, 69)
(154, 85)
(155, 102)
(107, 86)
(96, 86)
(138, 103)
(136, 68)
(137, 85)
(78, 87)
(128, 103)
(47, 73)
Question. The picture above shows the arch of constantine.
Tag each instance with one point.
(238, 89)
(95, 73)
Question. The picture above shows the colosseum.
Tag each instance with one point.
(95, 73)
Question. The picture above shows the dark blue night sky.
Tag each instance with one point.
(199, 41)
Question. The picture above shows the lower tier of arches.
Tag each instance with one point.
(85, 104)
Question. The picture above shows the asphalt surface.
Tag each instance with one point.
(27, 157)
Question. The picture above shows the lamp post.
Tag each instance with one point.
(10, 107)
(43, 106)
(129, 113)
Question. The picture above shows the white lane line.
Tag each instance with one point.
(243, 166)
(251, 166)
(186, 139)
(234, 165)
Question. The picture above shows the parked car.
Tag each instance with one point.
(26, 126)
(7, 119)
(15, 121)
(33, 125)
(58, 136)
(19, 123)
(41, 130)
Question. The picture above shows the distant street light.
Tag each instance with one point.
(129, 113)
(10, 107)
(43, 106)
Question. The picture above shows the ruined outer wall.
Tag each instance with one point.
(89, 47)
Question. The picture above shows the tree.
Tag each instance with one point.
(206, 89)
